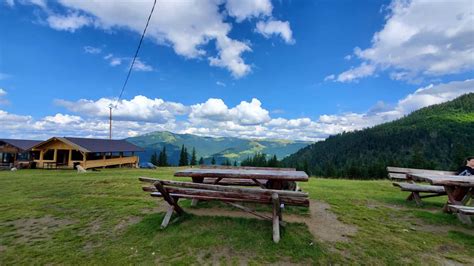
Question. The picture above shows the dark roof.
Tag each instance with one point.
(23, 144)
(104, 145)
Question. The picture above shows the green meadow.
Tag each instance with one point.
(103, 217)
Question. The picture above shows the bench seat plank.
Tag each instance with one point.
(419, 188)
(468, 210)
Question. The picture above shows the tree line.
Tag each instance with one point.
(186, 159)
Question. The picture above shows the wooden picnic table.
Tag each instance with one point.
(277, 177)
(460, 189)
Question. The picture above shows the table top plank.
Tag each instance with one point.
(244, 174)
(445, 180)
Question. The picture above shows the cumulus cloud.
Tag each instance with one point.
(186, 26)
(276, 27)
(140, 108)
(244, 9)
(245, 113)
(420, 38)
(214, 117)
(2, 92)
(356, 73)
(70, 22)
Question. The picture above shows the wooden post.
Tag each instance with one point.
(69, 162)
(55, 157)
(168, 198)
(167, 217)
(40, 163)
(276, 218)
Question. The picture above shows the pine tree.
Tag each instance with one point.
(201, 161)
(235, 163)
(163, 158)
(213, 161)
(186, 157)
(182, 157)
(193, 157)
(154, 159)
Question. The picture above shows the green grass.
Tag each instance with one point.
(88, 221)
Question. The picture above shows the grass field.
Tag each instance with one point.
(61, 217)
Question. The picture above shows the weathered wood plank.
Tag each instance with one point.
(397, 176)
(402, 170)
(167, 217)
(276, 218)
(419, 188)
(245, 167)
(244, 174)
(168, 197)
(226, 188)
(444, 180)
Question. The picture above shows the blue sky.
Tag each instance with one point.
(276, 69)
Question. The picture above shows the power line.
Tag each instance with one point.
(136, 54)
(129, 71)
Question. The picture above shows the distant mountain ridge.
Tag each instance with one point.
(221, 148)
(435, 137)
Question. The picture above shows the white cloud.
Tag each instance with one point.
(92, 50)
(2, 92)
(186, 26)
(220, 83)
(214, 118)
(422, 39)
(276, 27)
(330, 77)
(245, 113)
(140, 108)
(141, 66)
(356, 73)
(113, 60)
(10, 3)
(348, 57)
(229, 56)
(70, 22)
(244, 9)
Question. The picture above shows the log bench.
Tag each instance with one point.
(464, 213)
(173, 191)
(403, 174)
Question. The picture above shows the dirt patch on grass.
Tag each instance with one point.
(322, 223)
(32, 230)
(131, 220)
(439, 229)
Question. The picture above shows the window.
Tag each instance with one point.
(48, 155)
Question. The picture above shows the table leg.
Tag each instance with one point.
(194, 202)
(458, 196)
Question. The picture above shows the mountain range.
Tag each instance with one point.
(221, 148)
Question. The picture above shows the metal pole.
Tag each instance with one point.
(110, 122)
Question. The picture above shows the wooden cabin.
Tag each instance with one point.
(68, 152)
(16, 152)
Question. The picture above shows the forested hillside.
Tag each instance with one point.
(435, 137)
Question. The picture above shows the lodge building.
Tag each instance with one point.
(67, 152)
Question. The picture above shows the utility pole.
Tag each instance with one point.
(110, 121)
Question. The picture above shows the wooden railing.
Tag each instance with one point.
(111, 162)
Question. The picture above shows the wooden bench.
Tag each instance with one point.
(172, 191)
(463, 212)
(402, 174)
